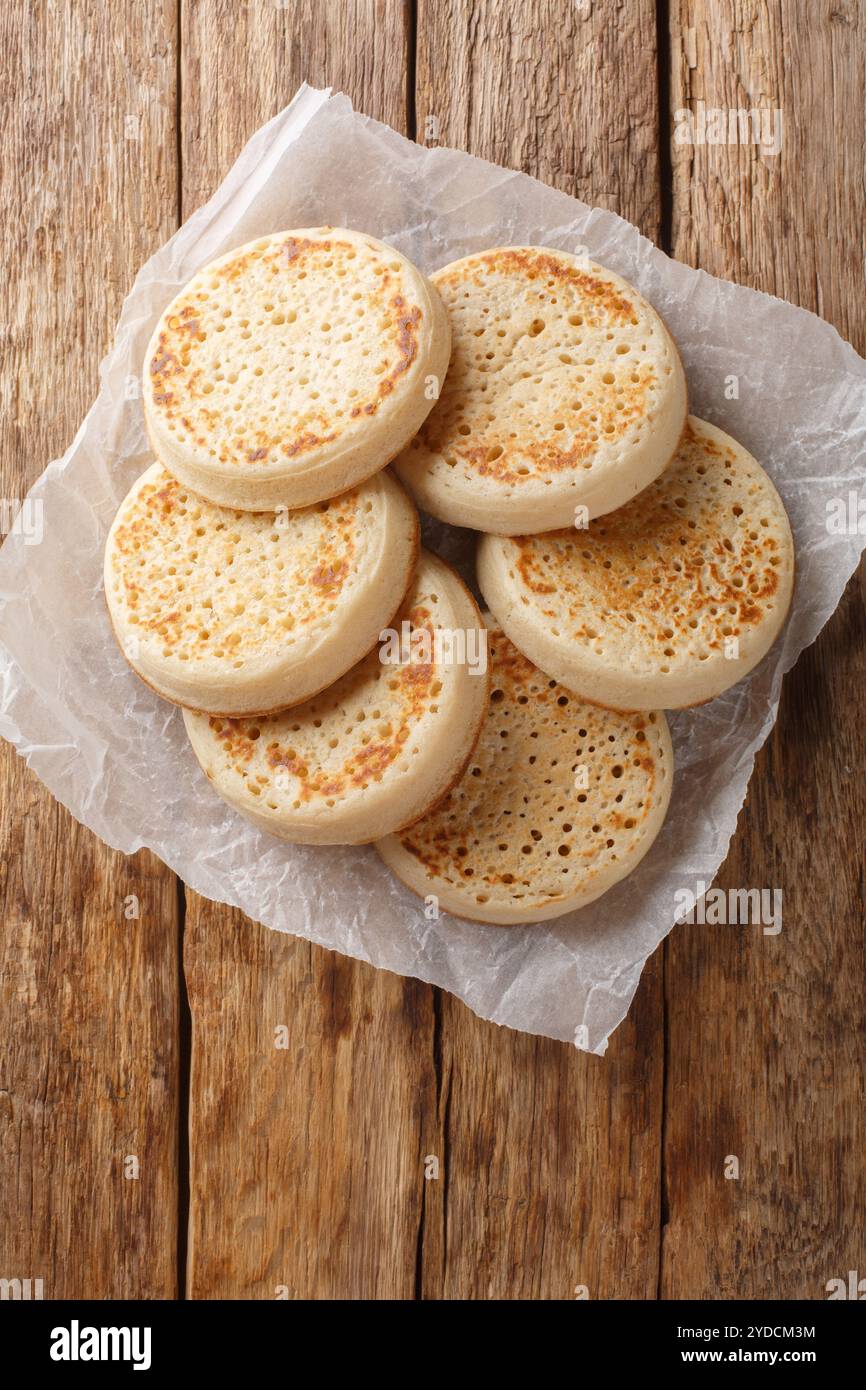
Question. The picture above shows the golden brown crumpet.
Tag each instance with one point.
(375, 750)
(558, 803)
(293, 368)
(565, 390)
(666, 602)
(244, 612)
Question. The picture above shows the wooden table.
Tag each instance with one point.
(303, 1172)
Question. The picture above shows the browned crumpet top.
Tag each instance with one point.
(374, 749)
(551, 362)
(284, 348)
(206, 581)
(525, 824)
(695, 559)
(342, 740)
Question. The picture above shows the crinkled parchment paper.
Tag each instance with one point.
(117, 756)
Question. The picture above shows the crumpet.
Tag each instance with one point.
(245, 612)
(668, 601)
(559, 801)
(375, 750)
(293, 368)
(565, 390)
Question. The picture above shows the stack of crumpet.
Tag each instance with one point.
(339, 684)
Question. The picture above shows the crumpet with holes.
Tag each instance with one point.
(242, 612)
(565, 390)
(559, 801)
(293, 368)
(375, 750)
(668, 601)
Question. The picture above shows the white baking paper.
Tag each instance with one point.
(116, 756)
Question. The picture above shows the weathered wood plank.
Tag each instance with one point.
(766, 1044)
(563, 89)
(306, 1160)
(243, 61)
(551, 1160)
(550, 1166)
(312, 1105)
(88, 999)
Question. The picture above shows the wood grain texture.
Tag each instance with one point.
(551, 1164)
(561, 89)
(243, 61)
(88, 999)
(307, 1164)
(312, 1111)
(549, 1180)
(766, 1043)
